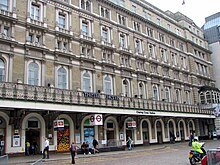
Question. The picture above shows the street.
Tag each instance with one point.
(176, 154)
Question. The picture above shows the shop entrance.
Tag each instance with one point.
(33, 137)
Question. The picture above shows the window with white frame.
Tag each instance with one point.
(138, 46)
(35, 11)
(6, 31)
(173, 57)
(125, 61)
(149, 17)
(108, 85)
(107, 56)
(202, 98)
(121, 20)
(104, 12)
(155, 92)
(62, 20)
(85, 28)
(181, 46)
(140, 65)
(161, 37)
(2, 70)
(137, 26)
(123, 40)
(33, 74)
(150, 32)
(153, 68)
(105, 34)
(62, 78)
(167, 94)
(142, 90)
(178, 96)
(62, 45)
(172, 42)
(4, 4)
(86, 5)
(151, 50)
(126, 87)
(163, 55)
(86, 50)
(188, 100)
(35, 38)
(158, 21)
(87, 81)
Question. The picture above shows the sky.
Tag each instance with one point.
(196, 10)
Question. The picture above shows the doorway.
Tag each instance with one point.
(33, 137)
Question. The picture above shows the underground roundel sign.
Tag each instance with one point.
(96, 119)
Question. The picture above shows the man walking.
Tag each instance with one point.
(46, 149)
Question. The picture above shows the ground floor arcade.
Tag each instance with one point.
(34, 126)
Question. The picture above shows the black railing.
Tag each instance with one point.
(24, 92)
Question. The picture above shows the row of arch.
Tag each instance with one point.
(157, 131)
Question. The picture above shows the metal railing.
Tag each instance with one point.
(38, 162)
(24, 92)
(4, 160)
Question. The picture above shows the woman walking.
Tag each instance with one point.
(73, 151)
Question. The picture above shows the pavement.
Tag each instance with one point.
(23, 160)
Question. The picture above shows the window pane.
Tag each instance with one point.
(2, 70)
(33, 72)
(86, 82)
(62, 78)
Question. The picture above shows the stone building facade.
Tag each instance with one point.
(135, 66)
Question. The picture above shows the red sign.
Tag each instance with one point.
(131, 124)
(91, 118)
(98, 118)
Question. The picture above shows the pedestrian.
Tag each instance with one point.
(87, 148)
(46, 149)
(28, 148)
(191, 137)
(129, 143)
(95, 144)
(83, 148)
(73, 149)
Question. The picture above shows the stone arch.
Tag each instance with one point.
(71, 130)
(149, 127)
(116, 127)
(174, 127)
(180, 132)
(157, 132)
(127, 132)
(8, 132)
(188, 126)
(42, 129)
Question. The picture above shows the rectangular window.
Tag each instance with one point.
(105, 34)
(122, 20)
(61, 21)
(35, 12)
(85, 29)
(122, 41)
(4, 4)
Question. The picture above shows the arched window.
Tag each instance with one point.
(33, 74)
(178, 97)
(202, 98)
(155, 92)
(125, 88)
(62, 78)
(167, 94)
(208, 97)
(142, 90)
(87, 82)
(108, 85)
(187, 97)
(2, 70)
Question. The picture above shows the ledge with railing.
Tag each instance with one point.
(24, 92)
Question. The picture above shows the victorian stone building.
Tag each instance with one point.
(134, 68)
